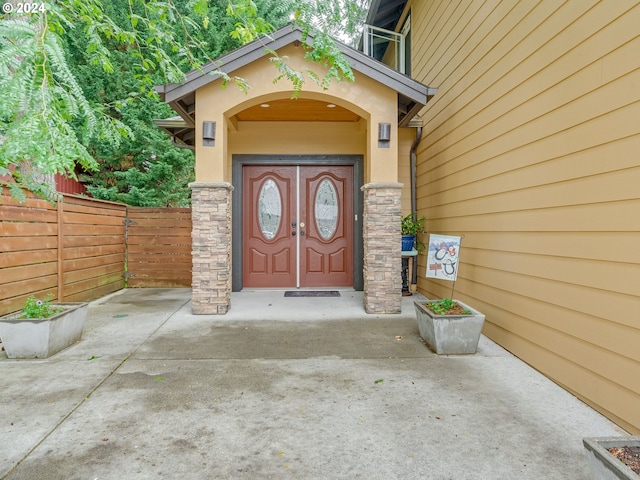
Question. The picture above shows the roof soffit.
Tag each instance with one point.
(385, 13)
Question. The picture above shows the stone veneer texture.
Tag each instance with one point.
(211, 251)
(382, 248)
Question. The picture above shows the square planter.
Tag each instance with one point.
(603, 464)
(43, 337)
(450, 334)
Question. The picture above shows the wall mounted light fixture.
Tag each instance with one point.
(384, 135)
(209, 134)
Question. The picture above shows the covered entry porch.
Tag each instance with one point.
(255, 220)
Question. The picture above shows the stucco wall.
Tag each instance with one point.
(371, 100)
(530, 150)
(295, 138)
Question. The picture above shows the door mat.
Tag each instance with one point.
(312, 293)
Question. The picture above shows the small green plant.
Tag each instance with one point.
(447, 306)
(34, 308)
(412, 225)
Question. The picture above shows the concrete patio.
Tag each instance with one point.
(300, 388)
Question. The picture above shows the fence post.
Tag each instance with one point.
(60, 249)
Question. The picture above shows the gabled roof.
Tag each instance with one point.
(412, 95)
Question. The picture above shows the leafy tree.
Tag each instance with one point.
(54, 60)
(148, 170)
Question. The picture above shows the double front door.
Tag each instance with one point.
(297, 226)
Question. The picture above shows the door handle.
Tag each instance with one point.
(293, 233)
(302, 233)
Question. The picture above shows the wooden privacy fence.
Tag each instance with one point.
(159, 247)
(81, 249)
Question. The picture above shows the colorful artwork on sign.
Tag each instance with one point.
(442, 257)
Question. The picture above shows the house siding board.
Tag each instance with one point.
(501, 177)
(544, 69)
(432, 42)
(511, 288)
(555, 336)
(610, 398)
(530, 151)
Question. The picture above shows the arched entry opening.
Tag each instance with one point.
(297, 168)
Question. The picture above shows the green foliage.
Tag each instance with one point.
(149, 172)
(444, 306)
(412, 225)
(76, 84)
(320, 20)
(249, 24)
(39, 96)
(34, 308)
(332, 18)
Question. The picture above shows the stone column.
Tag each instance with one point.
(382, 248)
(211, 248)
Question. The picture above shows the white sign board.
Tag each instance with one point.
(442, 257)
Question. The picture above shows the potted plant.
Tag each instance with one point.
(449, 327)
(42, 328)
(412, 227)
(614, 458)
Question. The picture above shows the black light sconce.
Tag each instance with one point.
(209, 134)
(384, 135)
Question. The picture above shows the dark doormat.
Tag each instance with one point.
(312, 293)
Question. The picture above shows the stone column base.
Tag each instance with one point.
(211, 249)
(382, 267)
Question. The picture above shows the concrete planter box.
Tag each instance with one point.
(450, 334)
(603, 464)
(43, 337)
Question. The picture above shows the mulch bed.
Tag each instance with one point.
(630, 456)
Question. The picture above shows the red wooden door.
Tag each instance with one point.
(326, 218)
(297, 226)
(268, 248)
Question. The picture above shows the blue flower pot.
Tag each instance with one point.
(408, 242)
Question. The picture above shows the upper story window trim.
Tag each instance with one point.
(376, 43)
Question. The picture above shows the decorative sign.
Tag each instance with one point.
(442, 257)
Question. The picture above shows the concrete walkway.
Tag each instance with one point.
(300, 388)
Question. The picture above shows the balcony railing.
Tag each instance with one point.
(385, 46)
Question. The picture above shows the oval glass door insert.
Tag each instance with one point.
(269, 209)
(326, 209)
